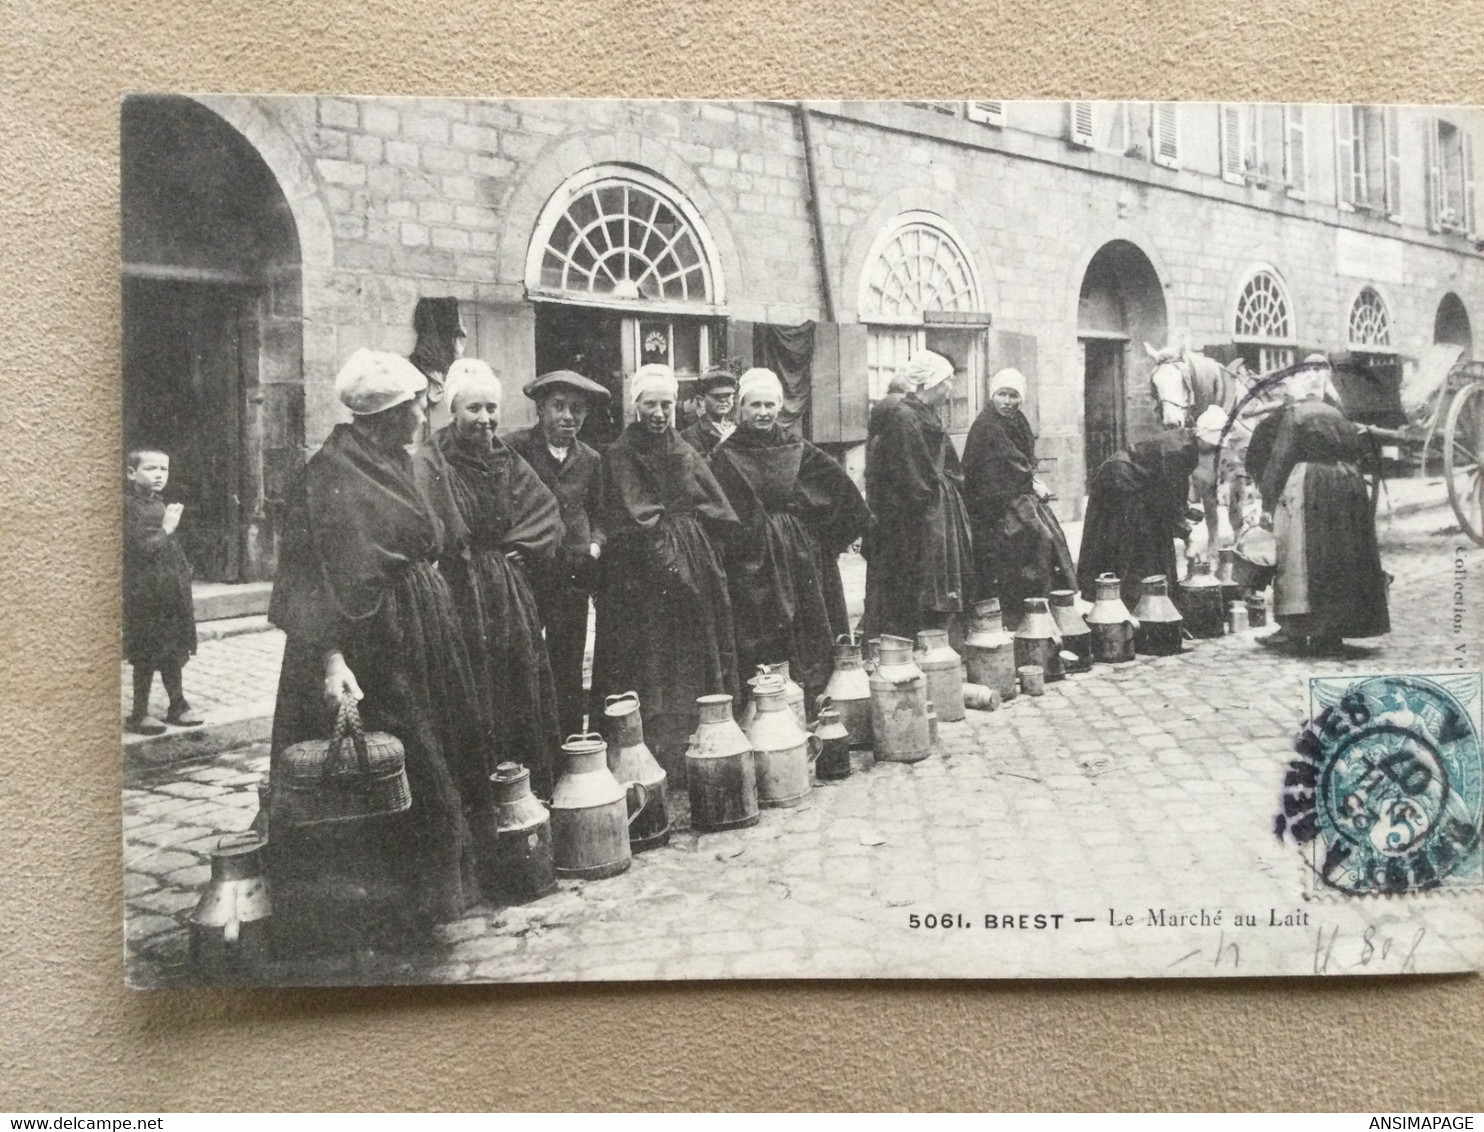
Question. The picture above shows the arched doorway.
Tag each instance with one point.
(1451, 326)
(920, 291)
(212, 328)
(623, 272)
(1121, 303)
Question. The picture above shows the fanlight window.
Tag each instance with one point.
(1370, 324)
(1262, 310)
(620, 240)
(919, 269)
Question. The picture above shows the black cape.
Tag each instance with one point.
(159, 618)
(358, 572)
(1020, 550)
(798, 511)
(1136, 507)
(506, 510)
(664, 625)
(1346, 585)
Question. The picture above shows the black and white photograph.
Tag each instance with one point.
(630, 541)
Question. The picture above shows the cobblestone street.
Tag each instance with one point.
(1154, 783)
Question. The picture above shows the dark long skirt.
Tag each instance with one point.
(665, 630)
(381, 879)
(502, 625)
(1346, 585)
(1026, 555)
(1121, 537)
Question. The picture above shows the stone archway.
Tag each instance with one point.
(213, 354)
(1451, 325)
(1120, 306)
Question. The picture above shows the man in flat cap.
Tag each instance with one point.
(570, 469)
(718, 397)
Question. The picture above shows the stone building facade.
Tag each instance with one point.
(264, 239)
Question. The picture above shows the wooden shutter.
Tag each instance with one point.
(1432, 163)
(1468, 220)
(1167, 135)
(990, 113)
(1231, 143)
(1392, 136)
(1295, 152)
(1079, 123)
(1344, 155)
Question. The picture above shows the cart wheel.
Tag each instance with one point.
(1463, 447)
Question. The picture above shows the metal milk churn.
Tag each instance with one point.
(1226, 574)
(944, 672)
(834, 742)
(784, 751)
(989, 651)
(1111, 623)
(849, 689)
(1201, 601)
(1158, 633)
(793, 694)
(1076, 637)
(231, 926)
(1038, 640)
(590, 812)
(517, 845)
(630, 760)
(721, 770)
(899, 722)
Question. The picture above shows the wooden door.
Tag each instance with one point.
(1103, 399)
(183, 392)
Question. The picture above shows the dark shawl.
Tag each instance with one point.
(919, 556)
(703, 436)
(507, 510)
(798, 511)
(1136, 507)
(1347, 587)
(664, 617)
(159, 617)
(358, 572)
(1020, 550)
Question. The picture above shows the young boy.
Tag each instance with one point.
(159, 620)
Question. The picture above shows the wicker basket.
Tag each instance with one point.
(316, 782)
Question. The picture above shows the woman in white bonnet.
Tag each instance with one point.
(1020, 550)
(919, 565)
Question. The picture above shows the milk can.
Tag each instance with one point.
(516, 855)
(1111, 623)
(1158, 633)
(630, 760)
(784, 751)
(1038, 641)
(981, 697)
(1257, 611)
(849, 689)
(1076, 637)
(833, 761)
(590, 813)
(1201, 603)
(1226, 567)
(793, 695)
(231, 925)
(1236, 617)
(721, 770)
(989, 651)
(944, 672)
(899, 721)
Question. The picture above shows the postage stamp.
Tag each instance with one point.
(1384, 792)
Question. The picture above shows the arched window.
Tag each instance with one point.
(616, 234)
(1263, 322)
(918, 265)
(1370, 322)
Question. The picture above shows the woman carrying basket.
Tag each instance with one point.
(371, 621)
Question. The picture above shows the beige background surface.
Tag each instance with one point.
(71, 1038)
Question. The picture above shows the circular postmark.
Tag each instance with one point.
(1388, 786)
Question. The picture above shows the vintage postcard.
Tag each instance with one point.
(637, 540)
